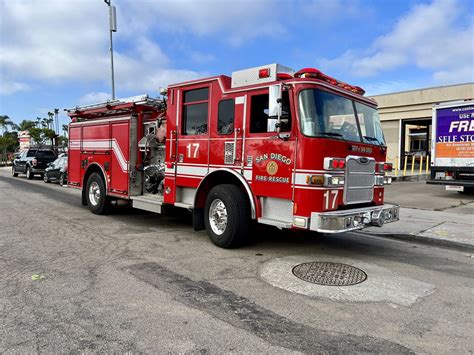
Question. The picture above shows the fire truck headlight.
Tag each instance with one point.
(330, 180)
(379, 180)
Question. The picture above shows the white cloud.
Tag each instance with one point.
(385, 87)
(55, 41)
(436, 37)
(11, 87)
(234, 21)
(94, 97)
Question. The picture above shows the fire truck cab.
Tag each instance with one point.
(291, 149)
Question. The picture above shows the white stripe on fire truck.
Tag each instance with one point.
(103, 144)
(192, 170)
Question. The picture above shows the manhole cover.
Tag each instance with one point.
(329, 274)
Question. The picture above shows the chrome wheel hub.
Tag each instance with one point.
(94, 194)
(218, 217)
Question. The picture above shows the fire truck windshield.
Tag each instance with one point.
(323, 114)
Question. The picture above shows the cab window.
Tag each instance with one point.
(260, 122)
(195, 110)
(225, 119)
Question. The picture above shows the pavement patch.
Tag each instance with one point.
(381, 285)
(245, 314)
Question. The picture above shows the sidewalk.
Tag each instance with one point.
(430, 227)
(430, 214)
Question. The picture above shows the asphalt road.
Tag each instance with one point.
(134, 281)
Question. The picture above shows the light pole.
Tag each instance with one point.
(113, 28)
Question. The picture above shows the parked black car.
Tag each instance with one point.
(33, 162)
(57, 170)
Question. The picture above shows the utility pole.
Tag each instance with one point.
(112, 28)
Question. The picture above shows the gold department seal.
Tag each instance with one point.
(272, 167)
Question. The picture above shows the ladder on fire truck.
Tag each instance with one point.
(117, 104)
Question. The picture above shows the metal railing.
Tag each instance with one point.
(411, 165)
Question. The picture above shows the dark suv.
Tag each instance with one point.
(33, 161)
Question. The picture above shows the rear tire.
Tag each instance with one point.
(62, 179)
(96, 197)
(29, 174)
(227, 216)
(467, 191)
(14, 173)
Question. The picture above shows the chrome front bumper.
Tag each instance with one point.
(358, 218)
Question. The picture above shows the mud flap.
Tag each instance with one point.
(198, 219)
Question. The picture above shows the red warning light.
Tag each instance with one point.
(264, 73)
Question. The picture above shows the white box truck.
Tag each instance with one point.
(452, 146)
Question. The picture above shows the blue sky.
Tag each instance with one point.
(54, 53)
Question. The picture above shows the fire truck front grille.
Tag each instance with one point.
(360, 179)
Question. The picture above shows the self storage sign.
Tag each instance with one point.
(455, 132)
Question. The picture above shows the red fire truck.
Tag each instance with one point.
(298, 150)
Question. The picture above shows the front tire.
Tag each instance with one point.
(14, 173)
(96, 198)
(227, 216)
(45, 178)
(29, 173)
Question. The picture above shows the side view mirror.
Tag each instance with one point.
(275, 110)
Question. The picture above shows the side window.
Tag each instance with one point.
(285, 112)
(225, 119)
(259, 120)
(259, 114)
(195, 109)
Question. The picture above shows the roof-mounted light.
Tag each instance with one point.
(317, 74)
(264, 73)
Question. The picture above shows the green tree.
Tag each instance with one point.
(6, 142)
(37, 135)
(63, 141)
(5, 121)
(50, 134)
(26, 125)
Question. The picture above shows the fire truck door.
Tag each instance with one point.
(226, 133)
(192, 155)
(270, 156)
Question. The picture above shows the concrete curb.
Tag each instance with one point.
(451, 244)
(422, 177)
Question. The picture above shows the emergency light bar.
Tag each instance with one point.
(317, 74)
(273, 72)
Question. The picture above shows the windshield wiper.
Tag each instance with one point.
(373, 139)
(332, 134)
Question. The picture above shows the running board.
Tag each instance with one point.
(277, 223)
(147, 203)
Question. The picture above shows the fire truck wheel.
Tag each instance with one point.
(95, 195)
(29, 174)
(227, 216)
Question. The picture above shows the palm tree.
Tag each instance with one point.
(56, 118)
(38, 120)
(50, 120)
(65, 129)
(26, 125)
(14, 126)
(5, 121)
